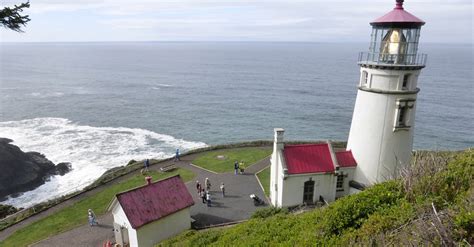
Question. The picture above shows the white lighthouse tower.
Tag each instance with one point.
(381, 134)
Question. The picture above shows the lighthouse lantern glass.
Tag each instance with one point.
(394, 44)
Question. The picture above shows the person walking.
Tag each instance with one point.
(198, 187)
(241, 166)
(208, 199)
(207, 183)
(236, 167)
(146, 165)
(92, 218)
(203, 196)
(176, 157)
(223, 189)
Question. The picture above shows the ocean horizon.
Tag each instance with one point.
(98, 105)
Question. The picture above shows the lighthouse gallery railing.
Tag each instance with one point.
(377, 58)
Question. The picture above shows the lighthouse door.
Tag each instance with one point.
(308, 192)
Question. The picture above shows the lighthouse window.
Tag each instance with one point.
(365, 78)
(406, 80)
(402, 117)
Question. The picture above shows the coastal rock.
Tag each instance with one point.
(24, 171)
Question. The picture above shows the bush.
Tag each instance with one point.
(267, 212)
(6, 210)
(352, 211)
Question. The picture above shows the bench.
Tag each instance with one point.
(167, 168)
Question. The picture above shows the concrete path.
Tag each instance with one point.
(235, 206)
(84, 235)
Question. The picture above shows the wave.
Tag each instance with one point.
(46, 95)
(159, 86)
(90, 150)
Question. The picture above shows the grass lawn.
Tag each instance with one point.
(264, 177)
(76, 214)
(221, 161)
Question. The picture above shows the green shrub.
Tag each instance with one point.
(6, 210)
(352, 211)
(445, 186)
(267, 212)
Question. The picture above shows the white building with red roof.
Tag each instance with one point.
(152, 213)
(306, 173)
(382, 128)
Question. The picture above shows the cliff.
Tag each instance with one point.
(24, 171)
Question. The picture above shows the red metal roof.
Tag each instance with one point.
(157, 200)
(308, 158)
(398, 16)
(345, 159)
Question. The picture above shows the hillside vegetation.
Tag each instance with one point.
(431, 204)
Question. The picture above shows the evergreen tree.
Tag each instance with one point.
(11, 18)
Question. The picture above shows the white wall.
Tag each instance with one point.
(349, 171)
(171, 225)
(293, 188)
(121, 219)
(276, 166)
(280, 178)
(379, 149)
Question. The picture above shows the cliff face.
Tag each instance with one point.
(22, 171)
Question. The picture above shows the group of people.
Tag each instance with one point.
(239, 167)
(204, 191)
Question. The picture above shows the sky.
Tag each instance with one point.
(448, 21)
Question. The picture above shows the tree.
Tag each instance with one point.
(11, 17)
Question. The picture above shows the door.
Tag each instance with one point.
(118, 234)
(121, 235)
(308, 192)
(125, 240)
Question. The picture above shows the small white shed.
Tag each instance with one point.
(152, 213)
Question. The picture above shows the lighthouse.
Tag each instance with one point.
(382, 128)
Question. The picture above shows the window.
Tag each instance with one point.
(402, 116)
(406, 80)
(340, 182)
(365, 78)
(401, 122)
(308, 192)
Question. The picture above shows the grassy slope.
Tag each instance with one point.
(76, 214)
(248, 155)
(392, 213)
(264, 177)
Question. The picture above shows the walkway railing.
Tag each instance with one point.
(377, 58)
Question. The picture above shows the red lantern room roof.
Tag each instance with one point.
(398, 17)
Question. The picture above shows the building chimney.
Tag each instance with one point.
(278, 139)
(148, 180)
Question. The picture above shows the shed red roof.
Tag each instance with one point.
(157, 200)
(308, 158)
(345, 159)
(398, 17)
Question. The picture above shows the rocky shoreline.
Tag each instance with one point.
(24, 171)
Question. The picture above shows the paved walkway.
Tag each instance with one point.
(235, 206)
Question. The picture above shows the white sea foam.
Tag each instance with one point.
(164, 85)
(46, 95)
(160, 85)
(91, 151)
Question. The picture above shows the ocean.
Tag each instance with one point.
(99, 105)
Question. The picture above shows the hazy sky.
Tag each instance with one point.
(233, 20)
